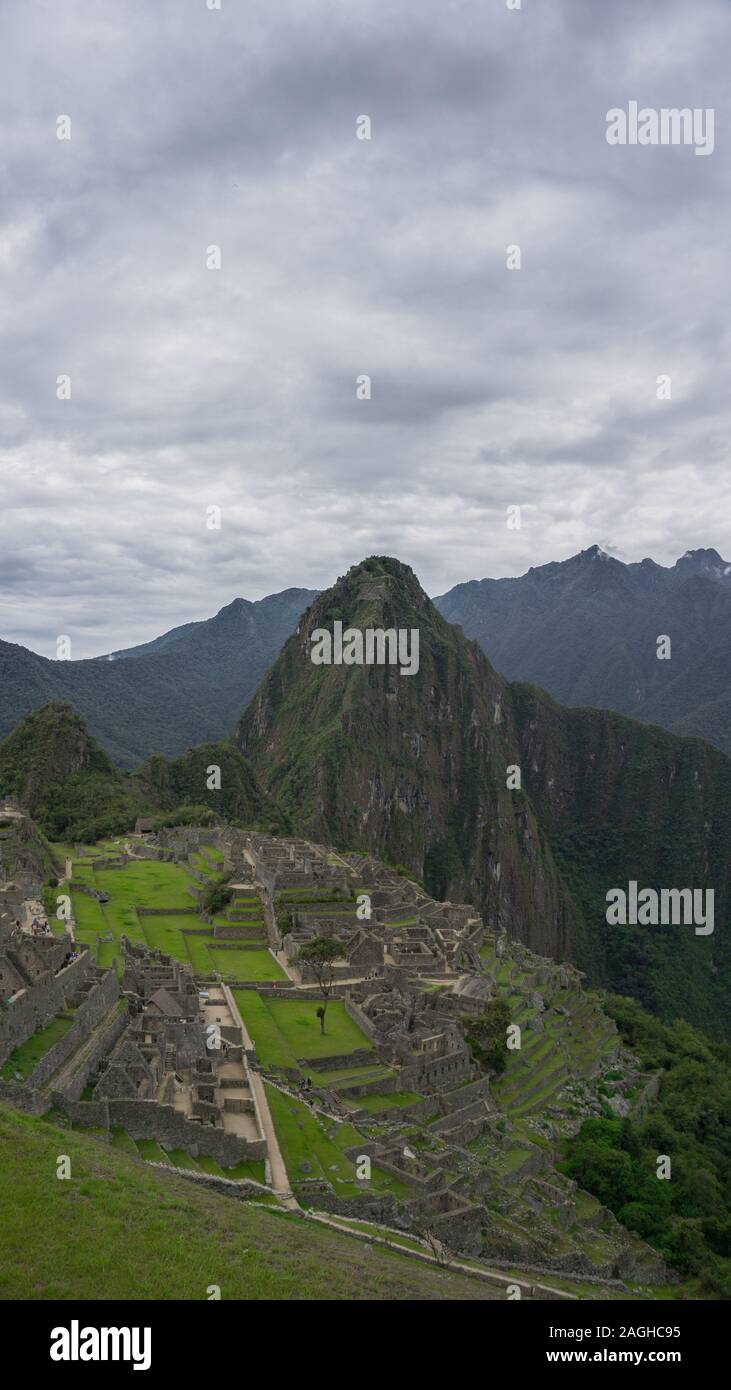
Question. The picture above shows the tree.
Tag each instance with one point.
(486, 1036)
(319, 954)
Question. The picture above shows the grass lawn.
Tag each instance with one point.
(303, 1140)
(245, 965)
(285, 1030)
(367, 1228)
(203, 866)
(375, 1102)
(122, 1140)
(118, 1230)
(29, 1054)
(151, 1151)
(300, 1025)
(272, 1048)
(211, 853)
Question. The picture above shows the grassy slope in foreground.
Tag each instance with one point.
(118, 1231)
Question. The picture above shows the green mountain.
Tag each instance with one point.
(415, 768)
(168, 784)
(186, 687)
(586, 630)
(58, 773)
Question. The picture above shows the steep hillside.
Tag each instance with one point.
(121, 1230)
(167, 784)
(415, 769)
(58, 773)
(185, 687)
(586, 630)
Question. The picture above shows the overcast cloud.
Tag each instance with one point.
(235, 388)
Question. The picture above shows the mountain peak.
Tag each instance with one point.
(378, 591)
(707, 562)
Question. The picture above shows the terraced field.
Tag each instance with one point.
(153, 884)
(313, 1148)
(570, 1038)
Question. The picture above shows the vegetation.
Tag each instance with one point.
(310, 1152)
(25, 1058)
(285, 1030)
(69, 785)
(685, 1217)
(183, 782)
(216, 895)
(486, 1036)
(124, 1231)
(320, 955)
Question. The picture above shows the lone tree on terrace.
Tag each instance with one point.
(319, 954)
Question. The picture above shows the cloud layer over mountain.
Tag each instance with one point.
(235, 388)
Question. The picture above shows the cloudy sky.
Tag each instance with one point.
(194, 388)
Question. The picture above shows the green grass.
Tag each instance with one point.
(302, 1139)
(272, 1048)
(245, 965)
(383, 1232)
(285, 1030)
(29, 1054)
(203, 866)
(375, 1102)
(180, 1159)
(154, 884)
(299, 1024)
(211, 853)
(122, 1140)
(151, 1151)
(119, 1230)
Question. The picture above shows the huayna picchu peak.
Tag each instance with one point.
(492, 792)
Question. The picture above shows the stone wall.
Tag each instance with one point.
(355, 1012)
(89, 1113)
(101, 999)
(37, 1005)
(102, 1047)
(145, 1119)
(380, 1206)
(167, 911)
(342, 1060)
(21, 1097)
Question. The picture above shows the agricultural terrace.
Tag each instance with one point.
(171, 891)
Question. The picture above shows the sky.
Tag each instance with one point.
(194, 388)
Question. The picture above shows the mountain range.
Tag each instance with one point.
(488, 790)
(586, 630)
(184, 688)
